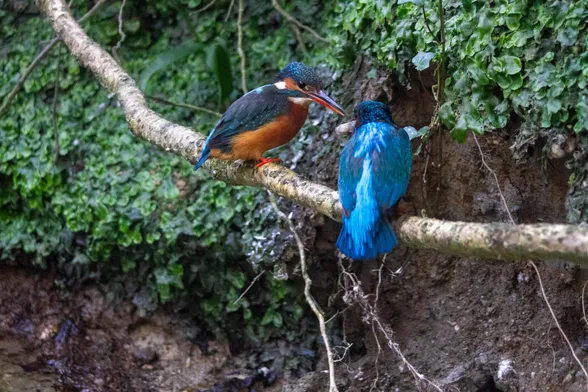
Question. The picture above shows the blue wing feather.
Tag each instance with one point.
(391, 166)
(248, 113)
(349, 175)
(373, 174)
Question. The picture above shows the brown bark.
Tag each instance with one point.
(497, 241)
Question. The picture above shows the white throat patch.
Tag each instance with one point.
(300, 101)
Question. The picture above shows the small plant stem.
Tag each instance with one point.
(249, 287)
(240, 47)
(38, 59)
(309, 298)
(295, 21)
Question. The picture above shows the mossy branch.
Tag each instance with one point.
(496, 240)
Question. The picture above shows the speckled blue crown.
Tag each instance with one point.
(372, 111)
(301, 73)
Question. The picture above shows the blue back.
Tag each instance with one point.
(373, 174)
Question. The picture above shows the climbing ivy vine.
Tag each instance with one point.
(111, 207)
(508, 63)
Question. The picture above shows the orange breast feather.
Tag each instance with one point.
(252, 144)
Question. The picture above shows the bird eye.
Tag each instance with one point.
(302, 85)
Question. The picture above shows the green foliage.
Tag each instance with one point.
(115, 208)
(522, 62)
(166, 59)
(503, 58)
(218, 60)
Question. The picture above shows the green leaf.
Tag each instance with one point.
(417, 2)
(512, 65)
(219, 61)
(272, 317)
(422, 60)
(447, 115)
(237, 279)
(553, 105)
(459, 132)
(166, 59)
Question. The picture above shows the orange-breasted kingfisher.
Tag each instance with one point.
(374, 171)
(267, 117)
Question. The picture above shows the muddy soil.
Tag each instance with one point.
(466, 324)
(79, 341)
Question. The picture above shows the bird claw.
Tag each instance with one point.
(263, 161)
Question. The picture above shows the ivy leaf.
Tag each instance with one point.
(166, 59)
(459, 132)
(582, 115)
(219, 61)
(447, 116)
(567, 36)
(422, 60)
(512, 65)
(553, 105)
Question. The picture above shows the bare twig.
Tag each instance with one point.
(441, 67)
(230, 9)
(550, 346)
(424, 187)
(207, 6)
(583, 304)
(377, 378)
(120, 32)
(183, 105)
(295, 21)
(554, 317)
(338, 313)
(240, 47)
(10, 97)
(249, 287)
(309, 298)
(299, 38)
(54, 106)
(379, 281)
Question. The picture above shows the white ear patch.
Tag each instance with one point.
(280, 85)
(300, 101)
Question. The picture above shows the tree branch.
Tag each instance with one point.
(496, 240)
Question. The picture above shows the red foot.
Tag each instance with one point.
(263, 161)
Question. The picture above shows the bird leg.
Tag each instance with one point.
(263, 161)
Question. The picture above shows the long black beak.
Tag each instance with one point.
(322, 98)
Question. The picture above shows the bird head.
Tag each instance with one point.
(372, 111)
(303, 82)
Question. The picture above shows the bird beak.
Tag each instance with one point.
(322, 98)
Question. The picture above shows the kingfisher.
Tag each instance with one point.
(267, 117)
(374, 171)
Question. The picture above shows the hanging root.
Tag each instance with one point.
(544, 295)
(354, 294)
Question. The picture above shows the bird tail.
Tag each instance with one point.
(203, 157)
(363, 246)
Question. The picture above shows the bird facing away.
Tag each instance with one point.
(373, 174)
(266, 117)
